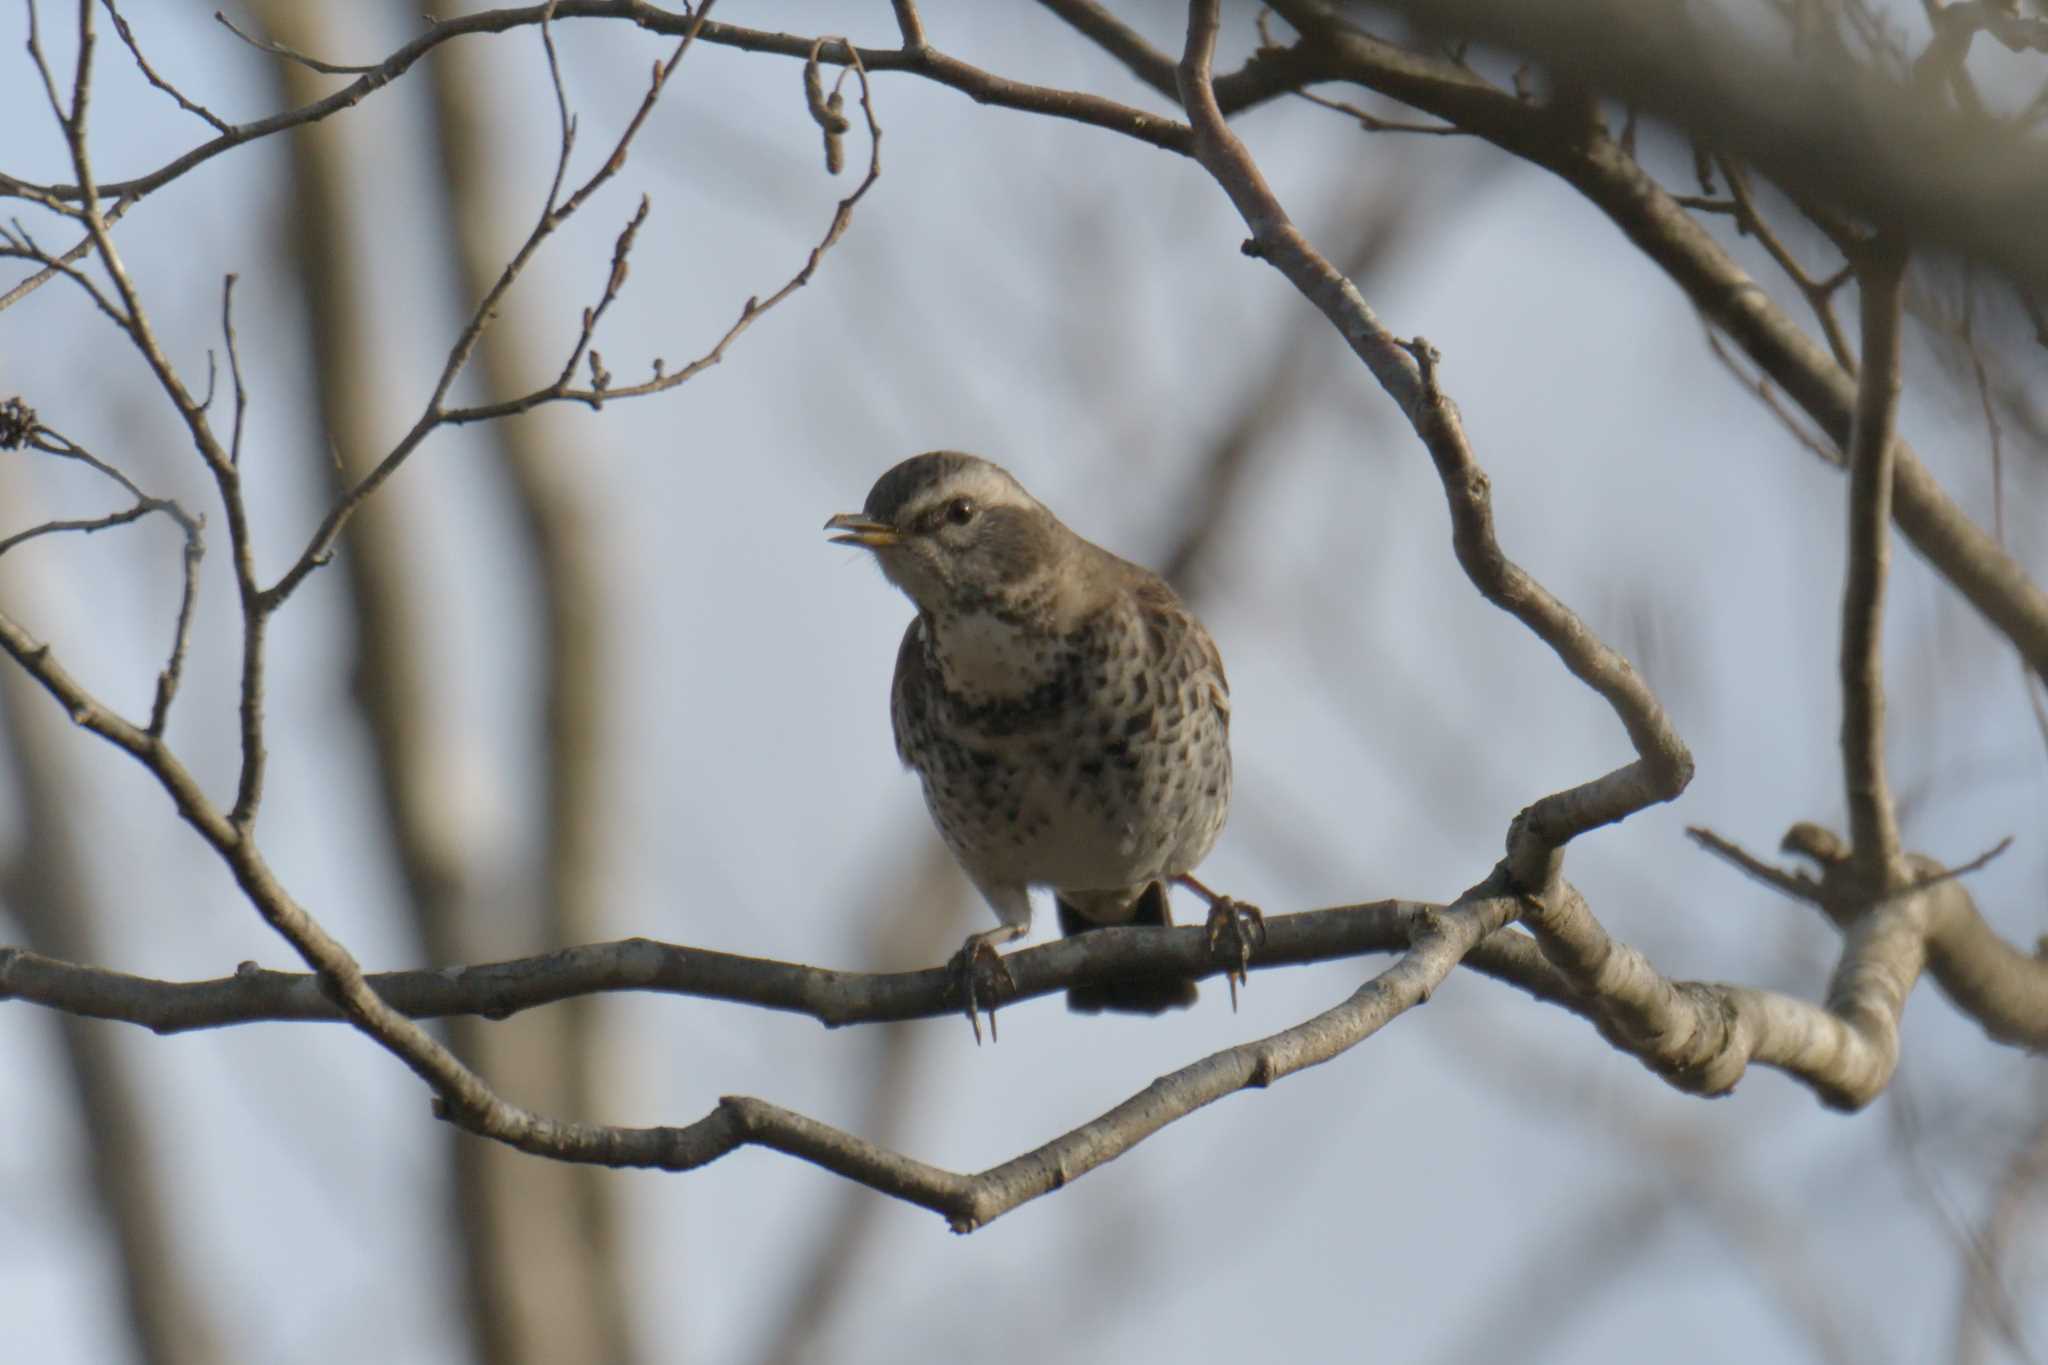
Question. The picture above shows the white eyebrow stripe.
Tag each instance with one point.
(986, 484)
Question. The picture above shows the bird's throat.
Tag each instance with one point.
(983, 656)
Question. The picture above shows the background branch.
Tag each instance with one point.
(1873, 822)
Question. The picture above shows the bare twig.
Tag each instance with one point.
(126, 516)
(1262, 79)
(41, 62)
(53, 266)
(1271, 70)
(173, 671)
(1373, 123)
(290, 54)
(663, 378)
(554, 213)
(1760, 385)
(1984, 859)
(1819, 294)
(22, 429)
(1794, 884)
(1873, 820)
(134, 320)
(127, 33)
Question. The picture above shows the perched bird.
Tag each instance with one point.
(1067, 713)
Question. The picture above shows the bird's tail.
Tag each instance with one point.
(1150, 994)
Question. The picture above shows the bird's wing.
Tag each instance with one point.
(1178, 638)
(910, 694)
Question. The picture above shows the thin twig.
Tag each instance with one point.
(54, 265)
(1373, 123)
(1261, 80)
(1819, 294)
(751, 311)
(88, 525)
(15, 242)
(277, 49)
(1700, 203)
(38, 437)
(555, 212)
(121, 27)
(1795, 884)
(1760, 385)
(173, 671)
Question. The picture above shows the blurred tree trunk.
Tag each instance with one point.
(547, 483)
(536, 1289)
(47, 891)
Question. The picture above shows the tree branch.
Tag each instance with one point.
(1604, 172)
(1262, 78)
(1407, 371)
(1860, 137)
(834, 998)
(1873, 820)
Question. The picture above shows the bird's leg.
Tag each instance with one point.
(981, 948)
(1234, 929)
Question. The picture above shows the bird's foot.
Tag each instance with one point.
(977, 952)
(1234, 929)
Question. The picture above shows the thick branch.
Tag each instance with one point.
(1438, 940)
(1702, 1036)
(968, 1202)
(2003, 989)
(1699, 1036)
(834, 998)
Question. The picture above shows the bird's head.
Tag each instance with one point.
(956, 533)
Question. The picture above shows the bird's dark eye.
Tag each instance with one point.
(960, 511)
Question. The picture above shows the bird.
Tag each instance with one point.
(1068, 716)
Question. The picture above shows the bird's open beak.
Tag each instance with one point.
(866, 532)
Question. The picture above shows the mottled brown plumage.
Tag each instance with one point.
(1068, 715)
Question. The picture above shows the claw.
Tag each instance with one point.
(1234, 929)
(964, 965)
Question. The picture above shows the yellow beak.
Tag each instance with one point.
(863, 531)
